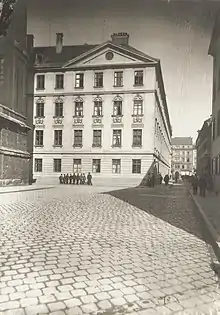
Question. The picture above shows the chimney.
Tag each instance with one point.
(120, 38)
(59, 43)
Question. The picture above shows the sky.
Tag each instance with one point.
(177, 32)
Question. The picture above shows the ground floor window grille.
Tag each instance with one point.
(136, 166)
(96, 166)
(116, 166)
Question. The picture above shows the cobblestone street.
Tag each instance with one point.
(84, 250)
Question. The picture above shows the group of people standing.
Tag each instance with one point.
(76, 179)
(199, 182)
(153, 179)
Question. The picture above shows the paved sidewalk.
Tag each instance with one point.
(211, 207)
(13, 189)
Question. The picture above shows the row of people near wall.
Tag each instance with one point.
(155, 179)
(204, 182)
(76, 179)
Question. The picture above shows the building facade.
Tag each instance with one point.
(203, 146)
(16, 95)
(183, 156)
(214, 51)
(99, 109)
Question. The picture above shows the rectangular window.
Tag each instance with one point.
(77, 165)
(138, 107)
(218, 124)
(78, 138)
(137, 137)
(58, 137)
(40, 110)
(139, 77)
(79, 80)
(98, 79)
(78, 109)
(38, 165)
(213, 129)
(118, 78)
(1, 70)
(59, 81)
(40, 82)
(96, 166)
(97, 138)
(116, 138)
(136, 166)
(117, 108)
(58, 109)
(97, 108)
(116, 166)
(57, 165)
(39, 138)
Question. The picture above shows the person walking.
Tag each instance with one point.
(61, 179)
(71, 178)
(89, 179)
(84, 178)
(74, 178)
(202, 186)
(195, 184)
(166, 179)
(77, 178)
(160, 178)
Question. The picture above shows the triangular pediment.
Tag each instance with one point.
(110, 54)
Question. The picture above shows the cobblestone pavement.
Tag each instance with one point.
(74, 251)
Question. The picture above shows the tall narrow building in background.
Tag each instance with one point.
(16, 92)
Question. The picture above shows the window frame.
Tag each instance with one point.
(96, 143)
(58, 138)
(55, 161)
(78, 168)
(116, 167)
(79, 81)
(78, 139)
(96, 164)
(116, 134)
(138, 135)
(39, 109)
(40, 86)
(78, 109)
(118, 80)
(59, 86)
(38, 167)
(98, 79)
(39, 137)
(58, 106)
(136, 108)
(117, 108)
(140, 78)
(136, 166)
(98, 105)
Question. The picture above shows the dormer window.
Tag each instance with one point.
(139, 77)
(79, 80)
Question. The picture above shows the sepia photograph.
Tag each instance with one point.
(110, 157)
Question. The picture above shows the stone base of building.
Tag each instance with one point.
(13, 182)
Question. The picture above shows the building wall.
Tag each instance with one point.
(180, 154)
(106, 153)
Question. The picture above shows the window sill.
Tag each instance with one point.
(98, 87)
(40, 89)
(136, 145)
(37, 117)
(78, 116)
(138, 115)
(117, 116)
(118, 86)
(77, 145)
(116, 146)
(97, 116)
(79, 87)
(59, 88)
(58, 116)
(138, 85)
(57, 145)
(39, 145)
(96, 145)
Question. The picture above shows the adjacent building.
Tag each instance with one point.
(99, 109)
(16, 94)
(214, 51)
(204, 149)
(183, 156)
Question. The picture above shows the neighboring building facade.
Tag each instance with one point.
(16, 95)
(99, 109)
(183, 156)
(214, 51)
(204, 149)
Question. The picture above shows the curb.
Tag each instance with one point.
(213, 234)
(24, 190)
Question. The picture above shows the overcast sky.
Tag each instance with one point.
(178, 33)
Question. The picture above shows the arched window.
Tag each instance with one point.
(138, 105)
(58, 107)
(40, 107)
(79, 107)
(98, 107)
(117, 106)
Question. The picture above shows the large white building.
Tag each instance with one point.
(99, 109)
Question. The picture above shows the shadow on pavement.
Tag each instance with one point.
(171, 204)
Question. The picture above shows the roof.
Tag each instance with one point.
(182, 141)
(68, 53)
